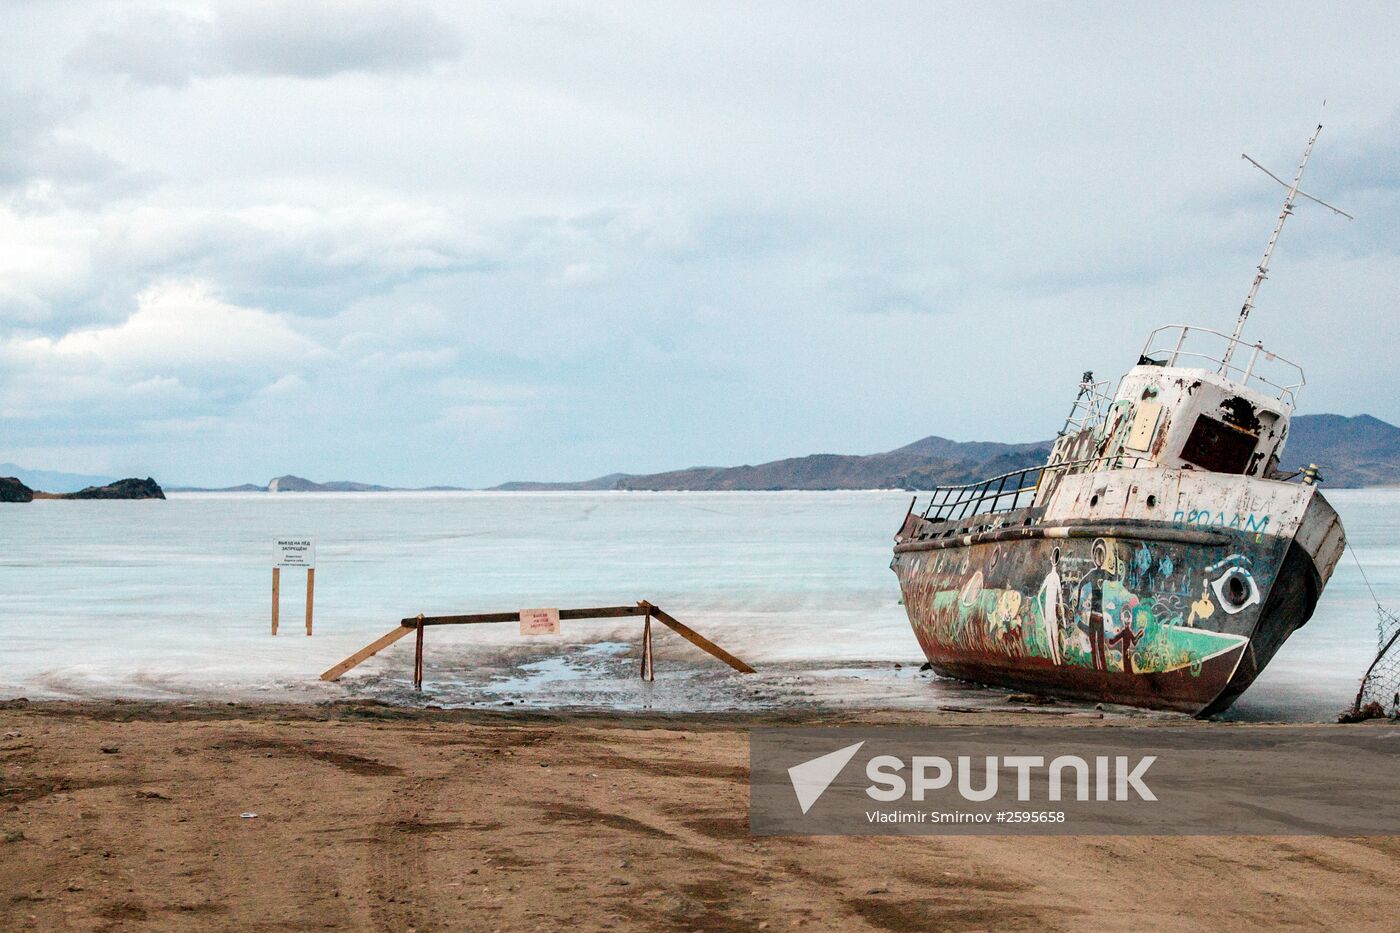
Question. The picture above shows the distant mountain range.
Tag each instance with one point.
(1359, 451)
(53, 481)
(290, 483)
(1356, 451)
(924, 463)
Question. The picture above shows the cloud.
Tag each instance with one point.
(171, 46)
(43, 259)
(178, 326)
(279, 249)
(583, 273)
(285, 387)
(405, 361)
(182, 345)
(489, 417)
(41, 165)
(28, 146)
(61, 266)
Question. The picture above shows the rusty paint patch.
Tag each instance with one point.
(1238, 412)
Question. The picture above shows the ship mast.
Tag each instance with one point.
(1293, 193)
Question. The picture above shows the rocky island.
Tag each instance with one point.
(12, 490)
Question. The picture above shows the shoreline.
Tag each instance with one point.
(121, 710)
(126, 814)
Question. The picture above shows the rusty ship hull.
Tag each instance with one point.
(1179, 610)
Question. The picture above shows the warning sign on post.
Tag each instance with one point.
(539, 621)
(295, 552)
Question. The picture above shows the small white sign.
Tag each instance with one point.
(295, 552)
(539, 621)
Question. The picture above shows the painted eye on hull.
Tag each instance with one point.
(1235, 589)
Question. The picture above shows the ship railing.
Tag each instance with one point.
(1249, 363)
(1014, 490)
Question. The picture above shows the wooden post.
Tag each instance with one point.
(310, 591)
(646, 643)
(418, 657)
(276, 599)
(650, 658)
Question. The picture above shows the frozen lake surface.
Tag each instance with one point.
(171, 600)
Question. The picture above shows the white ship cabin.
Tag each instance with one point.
(1196, 400)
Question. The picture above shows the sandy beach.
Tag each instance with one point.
(125, 815)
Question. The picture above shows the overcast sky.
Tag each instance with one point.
(410, 243)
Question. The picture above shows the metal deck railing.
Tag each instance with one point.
(1010, 491)
(1172, 346)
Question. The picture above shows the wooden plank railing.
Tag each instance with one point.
(417, 624)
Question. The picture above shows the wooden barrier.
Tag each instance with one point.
(419, 623)
(367, 652)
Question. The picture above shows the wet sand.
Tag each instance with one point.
(127, 816)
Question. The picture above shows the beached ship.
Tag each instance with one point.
(1159, 558)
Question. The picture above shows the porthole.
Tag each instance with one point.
(1093, 500)
(1235, 589)
(1151, 502)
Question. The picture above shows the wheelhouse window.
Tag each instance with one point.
(1216, 446)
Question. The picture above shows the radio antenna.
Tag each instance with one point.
(1294, 192)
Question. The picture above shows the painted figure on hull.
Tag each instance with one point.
(1126, 638)
(1092, 615)
(1050, 606)
(1202, 608)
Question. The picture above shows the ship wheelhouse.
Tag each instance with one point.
(1187, 405)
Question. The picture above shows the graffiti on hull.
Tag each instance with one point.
(1111, 606)
(1234, 521)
